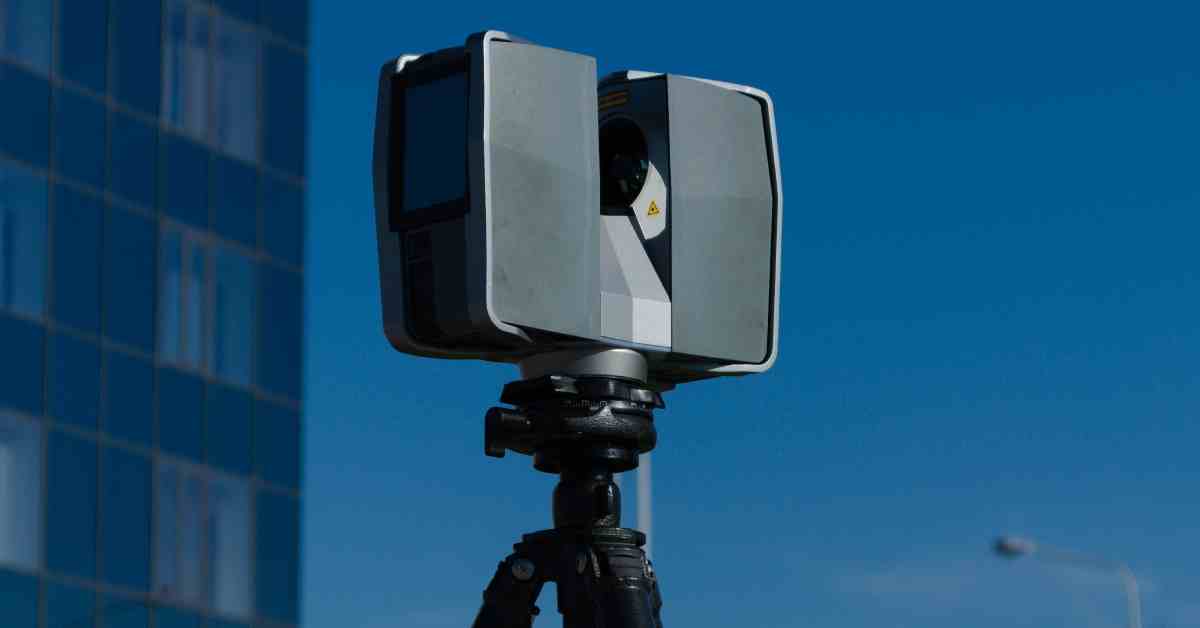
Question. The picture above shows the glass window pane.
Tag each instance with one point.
(277, 565)
(182, 311)
(136, 44)
(132, 159)
(168, 481)
(283, 220)
(287, 18)
(79, 137)
(22, 241)
(77, 227)
(119, 612)
(125, 522)
(25, 32)
(179, 533)
(74, 381)
(129, 284)
(20, 492)
(167, 617)
(279, 329)
(69, 607)
(170, 295)
(277, 444)
(83, 42)
(25, 125)
(195, 303)
(233, 315)
(21, 370)
(186, 70)
(129, 398)
(185, 190)
(236, 90)
(229, 428)
(229, 546)
(235, 206)
(71, 507)
(284, 109)
(193, 585)
(180, 414)
(18, 599)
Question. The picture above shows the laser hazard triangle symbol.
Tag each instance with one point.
(654, 210)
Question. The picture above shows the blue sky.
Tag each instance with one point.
(991, 296)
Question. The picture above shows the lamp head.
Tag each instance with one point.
(1014, 547)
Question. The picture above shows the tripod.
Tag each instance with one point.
(585, 425)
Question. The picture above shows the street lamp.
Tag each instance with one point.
(1014, 547)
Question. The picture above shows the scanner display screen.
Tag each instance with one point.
(435, 143)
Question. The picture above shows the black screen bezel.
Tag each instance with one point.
(424, 70)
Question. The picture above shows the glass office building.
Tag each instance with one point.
(152, 176)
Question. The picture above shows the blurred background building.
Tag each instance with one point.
(152, 177)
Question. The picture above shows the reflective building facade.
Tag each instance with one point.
(152, 176)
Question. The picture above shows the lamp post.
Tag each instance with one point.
(1015, 547)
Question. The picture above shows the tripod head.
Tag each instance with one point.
(585, 416)
(577, 410)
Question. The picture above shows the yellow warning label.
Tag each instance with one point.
(613, 99)
(654, 210)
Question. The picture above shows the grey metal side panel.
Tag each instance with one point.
(634, 306)
(722, 203)
(544, 190)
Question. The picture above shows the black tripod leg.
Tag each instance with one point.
(656, 596)
(508, 601)
(625, 588)
(575, 587)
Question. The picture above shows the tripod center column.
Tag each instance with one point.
(587, 499)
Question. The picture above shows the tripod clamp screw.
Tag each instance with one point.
(522, 569)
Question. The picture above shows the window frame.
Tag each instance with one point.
(38, 512)
(218, 247)
(221, 23)
(190, 240)
(30, 50)
(36, 270)
(210, 246)
(276, 373)
(207, 477)
(174, 83)
(112, 460)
